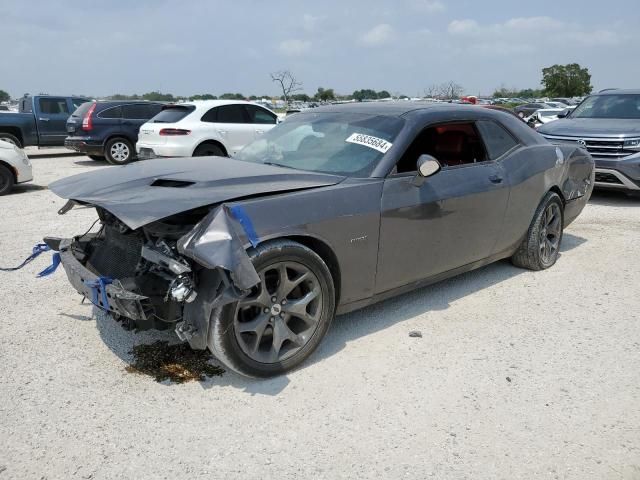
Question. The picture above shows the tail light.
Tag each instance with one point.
(174, 131)
(87, 124)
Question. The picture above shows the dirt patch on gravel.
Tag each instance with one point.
(177, 363)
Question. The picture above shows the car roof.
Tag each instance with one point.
(202, 104)
(112, 103)
(394, 108)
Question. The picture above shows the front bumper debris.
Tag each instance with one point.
(111, 297)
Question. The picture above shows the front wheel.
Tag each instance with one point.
(283, 319)
(6, 180)
(209, 150)
(541, 246)
(119, 151)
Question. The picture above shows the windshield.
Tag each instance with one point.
(172, 113)
(340, 143)
(609, 106)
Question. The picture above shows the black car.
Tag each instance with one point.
(109, 129)
(330, 211)
(528, 109)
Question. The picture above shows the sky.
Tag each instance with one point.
(187, 47)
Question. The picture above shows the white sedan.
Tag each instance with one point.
(15, 167)
(203, 128)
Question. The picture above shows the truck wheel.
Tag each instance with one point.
(541, 246)
(283, 319)
(6, 180)
(119, 151)
(7, 137)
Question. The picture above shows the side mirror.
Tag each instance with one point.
(426, 167)
(563, 113)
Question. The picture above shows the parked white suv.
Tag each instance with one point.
(201, 128)
(15, 167)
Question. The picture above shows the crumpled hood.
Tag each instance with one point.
(592, 127)
(150, 190)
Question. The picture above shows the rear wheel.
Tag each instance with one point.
(284, 318)
(7, 137)
(209, 150)
(541, 246)
(6, 180)
(97, 158)
(119, 151)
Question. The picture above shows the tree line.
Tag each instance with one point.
(569, 80)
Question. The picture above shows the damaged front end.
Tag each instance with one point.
(171, 272)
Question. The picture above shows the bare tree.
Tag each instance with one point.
(431, 91)
(288, 84)
(450, 90)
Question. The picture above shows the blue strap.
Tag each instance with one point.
(55, 261)
(247, 224)
(35, 251)
(99, 283)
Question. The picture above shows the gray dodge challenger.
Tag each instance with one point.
(332, 210)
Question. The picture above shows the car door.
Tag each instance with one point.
(453, 219)
(262, 119)
(233, 127)
(52, 114)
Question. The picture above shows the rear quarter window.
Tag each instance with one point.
(496, 138)
(111, 112)
(173, 113)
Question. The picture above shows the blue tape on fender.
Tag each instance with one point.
(99, 283)
(241, 215)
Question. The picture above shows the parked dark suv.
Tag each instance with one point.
(108, 129)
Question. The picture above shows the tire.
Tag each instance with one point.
(97, 158)
(6, 180)
(119, 151)
(541, 246)
(243, 335)
(7, 137)
(209, 150)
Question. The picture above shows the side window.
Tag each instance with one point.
(211, 116)
(113, 112)
(260, 115)
(136, 111)
(53, 106)
(453, 144)
(497, 140)
(154, 109)
(232, 114)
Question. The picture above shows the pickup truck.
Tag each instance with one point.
(41, 120)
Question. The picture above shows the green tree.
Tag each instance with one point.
(203, 96)
(325, 94)
(301, 97)
(365, 94)
(4, 96)
(566, 80)
(156, 96)
(383, 94)
(231, 96)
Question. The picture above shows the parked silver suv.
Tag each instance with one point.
(607, 124)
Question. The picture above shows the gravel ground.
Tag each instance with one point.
(517, 375)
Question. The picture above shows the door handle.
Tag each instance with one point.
(495, 179)
(44, 119)
(259, 132)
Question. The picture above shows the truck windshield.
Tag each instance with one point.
(624, 106)
(339, 143)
